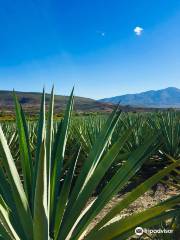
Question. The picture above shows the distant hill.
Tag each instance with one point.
(31, 102)
(165, 98)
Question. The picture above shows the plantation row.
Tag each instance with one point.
(84, 131)
(50, 170)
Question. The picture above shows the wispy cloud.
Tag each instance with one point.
(138, 30)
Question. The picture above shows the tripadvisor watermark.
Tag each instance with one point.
(139, 231)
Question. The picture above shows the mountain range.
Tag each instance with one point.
(164, 98)
(31, 102)
(146, 101)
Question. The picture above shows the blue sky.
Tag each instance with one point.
(90, 44)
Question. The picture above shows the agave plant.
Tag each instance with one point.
(86, 130)
(168, 125)
(43, 200)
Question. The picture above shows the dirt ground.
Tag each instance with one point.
(148, 200)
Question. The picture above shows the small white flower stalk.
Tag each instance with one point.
(43, 196)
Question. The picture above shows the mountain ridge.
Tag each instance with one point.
(163, 98)
(31, 102)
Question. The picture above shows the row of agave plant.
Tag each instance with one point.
(45, 195)
(84, 131)
(164, 124)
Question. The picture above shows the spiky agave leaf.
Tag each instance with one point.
(59, 200)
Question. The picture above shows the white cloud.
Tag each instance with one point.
(102, 34)
(138, 30)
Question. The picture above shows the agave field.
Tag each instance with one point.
(51, 170)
